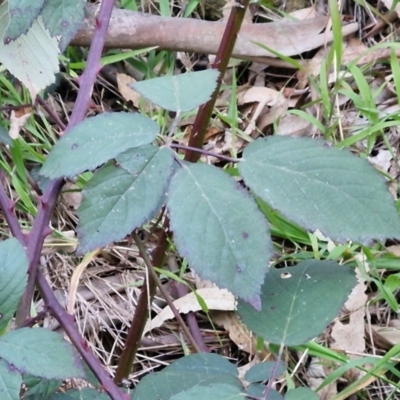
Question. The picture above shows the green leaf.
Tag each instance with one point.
(13, 273)
(220, 230)
(84, 394)
(320, 187)
(20, 57)
(97, 140)
(301, 393)
(10, 382)
(196, 369)
(32, 351)
(263, 371)
(220, 391)
(256, 391)
(182, 92)
(63, 18)
(115, 201)
(5, 137)
(135, 160)
(61, 396)
(39, 388)
(22, 14)
(299, 302)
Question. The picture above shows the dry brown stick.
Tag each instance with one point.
(132, 30)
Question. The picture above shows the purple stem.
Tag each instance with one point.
(34, 241)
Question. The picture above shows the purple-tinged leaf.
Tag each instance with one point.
(116, 201)
(220, 230)
(97, 140)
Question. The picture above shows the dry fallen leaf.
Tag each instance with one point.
(18, 119)
(238, 333)
(215, 298)
(316, 374)
(349, 337)
(386, 336)
(129, 94)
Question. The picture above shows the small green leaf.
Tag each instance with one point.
(263, 371)
(32, 351)
(196, 369)
(13, 273)
(10, 381)
(97, 140)
(289, 299)
(301, 393)
(39, 388)
(22, 14)
(183, 92)
(320, 187)
(115, 201)
(220, 391)
(63, 18)
(220, 230)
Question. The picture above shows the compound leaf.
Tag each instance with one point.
(196, 369)
(63, 18)
(320, 187)
(289, 297)
(182, 92)
(10, 381)
(97, 140)
(116, 201)
(13, 273)
(22, 14)
(220, 230)
(32, 350)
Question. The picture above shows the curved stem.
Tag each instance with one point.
(148, 290)
(221, 63)
(153, 273)
(142, 309)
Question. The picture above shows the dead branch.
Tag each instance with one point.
(133, 30)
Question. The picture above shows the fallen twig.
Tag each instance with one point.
(133, 30)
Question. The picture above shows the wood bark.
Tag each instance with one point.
(134, 30)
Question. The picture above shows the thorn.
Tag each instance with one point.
(92, 105)
(42, 202)
(47, 231)
(11, 208)
(84, 345)
(98, 23)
